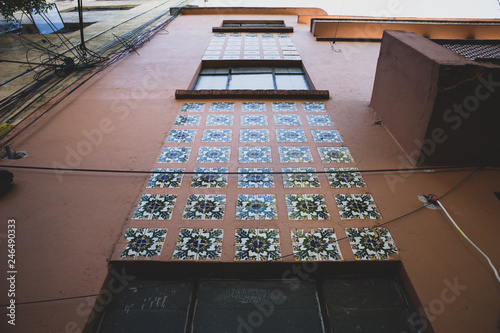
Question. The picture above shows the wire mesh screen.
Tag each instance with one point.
(474, 50)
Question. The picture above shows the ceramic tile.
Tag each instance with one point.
(295, 154)
(319, 120)
(267, 35)
(205, 207)
(213, 154)
(272, 57)
(199, 244)
(314, 107)
(257, 154)
(253, 107)
(220, 120)
(180, 136)
(187, 120)
(251, 34)
(251, 48)
(217, 135)
(220, 35)
(155, 207)
(254, 135)
(335, 155)
(254, 120)
(250, 57)
(345, 179)
(290, 53)
(306, 207)
(230, 57)
(207, 179)
(259, 179)
(290, 135)
(257, 244)
(300, 179)
(357, 206)
(192, 107)
(287, 119)
(287, 57)
(175, 155)
(166, 180)
(271, 53)
(316, 244)
(222, 107)
(235, 34)
(256, 207)
(212, 53)
(326, 136)
(144, 242)
(284, 106)
(371, 243)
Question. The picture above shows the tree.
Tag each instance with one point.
(9, 7)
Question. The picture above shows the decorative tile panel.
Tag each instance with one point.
(199, 244)
(187, 120)
(284, 106)
(181, 136)
(206, 179)
(222, 107)
(254, 135)
(175, 155)
(319, 120)
(213, 154)
(257, 154)
(205, 207)
(144, 242)
(295, 154)
(155, 207)
(253, 107)
(371, 243)
(335, 155)
(326, 136)
(220, 120)
(257, 244)
(256, 207)
(347, 179)
(306, 207)
(259, 179)
(166, 180)
(290, 135)
(300, 179)
(254, 120)
(192, 107)
(287, 120)
(357, 206)
(217, 135)
(316, 244)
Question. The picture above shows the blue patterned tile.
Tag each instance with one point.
(187, 120)
(326, 136)
(371, 243)
(295, 154)
(254, 135)
(181, 136)
(319, 120)
(166, 180)
(205, 207)
(220, 120)
(287, 119)
(222, 107)
(256, 207)
(255, 154)
(300, 179)
(258, 179)
(199, 244)
(206, 179)
(284, 106)
(253, 107)
(217, 135)
(175, 155)
(192, 107)
(144, 242)
(257, 244)
(335, 155)
(306, 207)
(345, 178)
(155, 207)
(314, 107)
(254, 120)
(316, 244)
(290, 135)
(357, 206)
(214, 154)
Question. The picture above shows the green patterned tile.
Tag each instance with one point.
(172, 179)
(206, 179)
(256, 207)
(306, 207)
(222, 107)
(259, 178)
(199, 244)
(357, 206)
(205, 207)
(371, 243)
(300, 179)
(257, 244)
(192, 107)
(345, 177)
(335, 155)
(316, 244)
(295, 154)
(155, 207)
(144, 242)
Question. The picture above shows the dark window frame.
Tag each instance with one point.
(253, 26)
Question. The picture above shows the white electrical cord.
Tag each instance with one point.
(465, 236)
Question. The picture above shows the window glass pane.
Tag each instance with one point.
(211, 82)
(257, 306)
(291, 82)
(251, 81)
(231, 25)
(252, 70)
(214, 71)
(286, 70)
(253, 24)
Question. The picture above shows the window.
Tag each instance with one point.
(252, 78)
(253, 24)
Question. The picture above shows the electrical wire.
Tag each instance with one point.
(463, 181)
(438, 201)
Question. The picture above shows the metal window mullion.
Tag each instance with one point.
(228, 78)
(274, 79)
